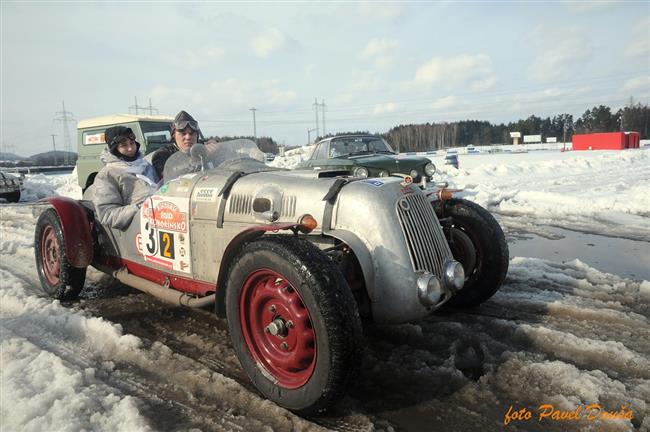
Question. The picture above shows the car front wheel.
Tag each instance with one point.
(477, 242)
(58, 278)
(293, 322)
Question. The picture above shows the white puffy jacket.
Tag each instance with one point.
(120, 187)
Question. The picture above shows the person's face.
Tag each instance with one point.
(127, 147)
(185, 138)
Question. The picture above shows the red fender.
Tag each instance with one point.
(232, 248)
(76, 230)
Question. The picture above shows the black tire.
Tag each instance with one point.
(332, 319)
(58, 278)
(477, 242)
(13, 196)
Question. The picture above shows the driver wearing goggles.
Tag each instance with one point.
(185, 133)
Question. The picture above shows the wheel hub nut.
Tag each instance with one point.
(277, 327)
(284, 346)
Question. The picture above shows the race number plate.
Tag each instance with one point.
(164, 233)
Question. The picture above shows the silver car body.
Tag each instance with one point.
(185, 229)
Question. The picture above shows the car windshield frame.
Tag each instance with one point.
(151, 129)
(356, 145)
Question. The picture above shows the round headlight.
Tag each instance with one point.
(383, 173)
(429, 169)
(414, 173)
(429, 291)
(454, 275)
(360, 172)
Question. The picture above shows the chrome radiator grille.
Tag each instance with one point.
(427, 244)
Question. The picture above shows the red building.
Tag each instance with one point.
(606, 141)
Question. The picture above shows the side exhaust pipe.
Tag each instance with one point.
(166, 294)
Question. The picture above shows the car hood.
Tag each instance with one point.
(389, 162)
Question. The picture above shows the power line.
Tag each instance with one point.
(54, 148)
(65, 117)
(324, 108)
(254, 124)
(144, 109)
(315, 105)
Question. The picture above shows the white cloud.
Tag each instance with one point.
(265, 43)
(199, 57)
(443, 103)
(365, 81)
(238, 93)
(384, 108)
(463, 70)
(379, 47)
(639, 84)
(557, 54)
(380, 51)
(639, 44)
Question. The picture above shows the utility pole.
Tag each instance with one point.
(324, 108)
(152, 109)
(136, 106)
(309, 131)
(64, 117)
(254, 124)
(315, 105)
(54, 148)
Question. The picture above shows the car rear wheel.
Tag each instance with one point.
(293, 322)
(58, 278)
(477, 242)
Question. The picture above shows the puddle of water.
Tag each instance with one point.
(623, 257)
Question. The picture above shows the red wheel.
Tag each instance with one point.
(50, 255)
(293, 322)
(58, 278)
(277, 328)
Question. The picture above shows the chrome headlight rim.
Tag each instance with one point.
(430, 169)
(360, 172)
(454, 275)
(429, 289)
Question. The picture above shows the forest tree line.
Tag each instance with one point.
(431, 136)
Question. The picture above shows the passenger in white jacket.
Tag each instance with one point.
(125, 181)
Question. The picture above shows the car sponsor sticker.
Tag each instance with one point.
(97, 138)
(164, 233)
(206, 195)
(376, 183)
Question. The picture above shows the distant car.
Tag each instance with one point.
(452, 159)
(10, 186)
(269, 157)
(367, 156)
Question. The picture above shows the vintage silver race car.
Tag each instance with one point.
(292, 259)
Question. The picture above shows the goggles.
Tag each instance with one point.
(123, 139)
(182, 124)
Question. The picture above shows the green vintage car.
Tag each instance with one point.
(367, 156)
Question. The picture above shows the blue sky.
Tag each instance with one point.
(375, 65)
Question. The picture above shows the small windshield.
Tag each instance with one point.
(228, 155)
(156, 135)
(350, 146)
